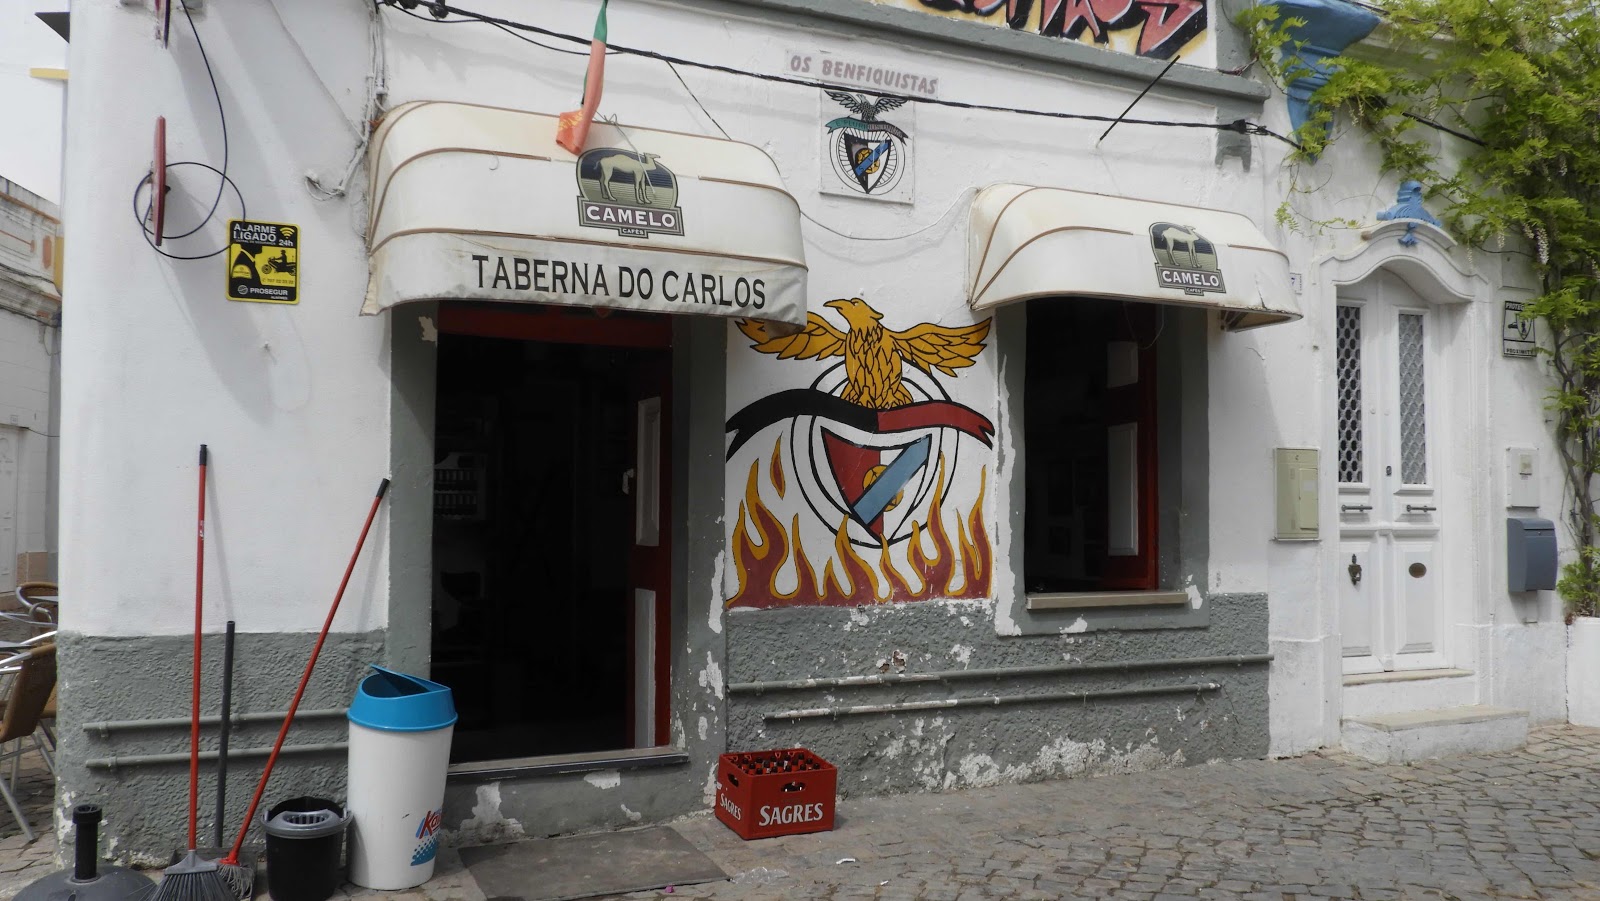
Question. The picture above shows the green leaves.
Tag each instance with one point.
(1522, 77)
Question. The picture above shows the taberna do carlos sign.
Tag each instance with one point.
(664, 223)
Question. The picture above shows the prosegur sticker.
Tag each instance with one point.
(263, 262)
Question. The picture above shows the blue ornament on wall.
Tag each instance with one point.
(1408, 205)
(1330, 26)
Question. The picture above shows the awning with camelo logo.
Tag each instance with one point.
(1027, 242)
(479, 203)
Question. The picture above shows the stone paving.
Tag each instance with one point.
(1524, 824)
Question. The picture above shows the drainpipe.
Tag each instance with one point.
(1005, 672)
(990, 701)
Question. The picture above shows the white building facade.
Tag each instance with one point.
(959, 445)
(30, 347)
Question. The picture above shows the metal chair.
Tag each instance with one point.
(30, 683)
(38, 605)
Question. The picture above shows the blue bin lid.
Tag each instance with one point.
(395, 702)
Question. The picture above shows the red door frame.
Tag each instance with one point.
(649, 567)
(1136, 403)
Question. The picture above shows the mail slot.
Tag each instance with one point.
(1530, 554)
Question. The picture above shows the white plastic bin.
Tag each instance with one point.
(400, 729)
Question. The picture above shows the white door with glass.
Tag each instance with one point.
(1387, 344)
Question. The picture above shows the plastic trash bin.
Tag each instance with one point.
(400, 728)
(304, 839)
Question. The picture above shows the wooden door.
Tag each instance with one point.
(1389, 497)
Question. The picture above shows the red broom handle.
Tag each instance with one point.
(288, 719)
(194, 701)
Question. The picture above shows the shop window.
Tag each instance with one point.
(1093, 446)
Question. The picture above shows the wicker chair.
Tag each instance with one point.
(37, 605)
(29, 685)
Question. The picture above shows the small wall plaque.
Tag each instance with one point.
(1517, 337)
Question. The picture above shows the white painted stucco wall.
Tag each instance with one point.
(30, 344)
(293, 400)
(1513, 643)
(31, 119)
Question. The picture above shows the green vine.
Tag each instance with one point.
(1520, 82)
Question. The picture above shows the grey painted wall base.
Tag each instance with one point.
(137, 678)
(941, 750)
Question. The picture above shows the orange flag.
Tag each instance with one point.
(572, 129)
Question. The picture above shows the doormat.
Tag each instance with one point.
(587, 866)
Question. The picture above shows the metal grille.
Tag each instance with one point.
(1413, 412)
(1347, 331)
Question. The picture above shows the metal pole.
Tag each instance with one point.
(989, 701)
(958, 675)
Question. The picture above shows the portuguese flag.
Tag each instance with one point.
(572, 129)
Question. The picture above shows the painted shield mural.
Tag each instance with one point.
(866, 457)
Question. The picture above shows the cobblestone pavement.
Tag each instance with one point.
(22, 861)
(1524, 824)
(1518, 825)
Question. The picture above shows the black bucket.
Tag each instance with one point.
(304, 839)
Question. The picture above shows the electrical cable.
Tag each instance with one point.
(807, 216)
(523, 38)
(221, 118)
(143, 218)
(1240, 126)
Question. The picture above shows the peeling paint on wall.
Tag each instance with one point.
(711, 676)
(604, 779)
(1078, 625)
(430, 332)
(1062, 758)
(488, 825)
(714, 609)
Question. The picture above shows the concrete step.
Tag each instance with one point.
(1371, 694)
(1427, 734)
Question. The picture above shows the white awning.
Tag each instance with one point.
(1028, 242)
(479, 203)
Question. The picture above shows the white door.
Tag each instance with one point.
(1389, 499)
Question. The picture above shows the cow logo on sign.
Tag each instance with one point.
(630, 193)
(867, 156)
(1185, 260)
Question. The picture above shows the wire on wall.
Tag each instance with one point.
(441, 11)
(142, 217)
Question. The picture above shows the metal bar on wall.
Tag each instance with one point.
(111, 763)
(1049, 669)
(239, 719)
(990, 701)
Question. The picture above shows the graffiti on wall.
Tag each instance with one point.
(1153, 28)
(872, 458)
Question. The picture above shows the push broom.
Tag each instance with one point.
(239, 878)
(193, 878)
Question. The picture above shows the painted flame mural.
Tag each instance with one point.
(872, 494)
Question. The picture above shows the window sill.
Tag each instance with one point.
(1074, 600)
(562, 764)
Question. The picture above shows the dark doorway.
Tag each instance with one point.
(536, 575)
(1089, 427)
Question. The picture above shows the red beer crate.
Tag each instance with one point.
(765, 793)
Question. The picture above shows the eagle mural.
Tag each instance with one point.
(874, 453)
(873, 355)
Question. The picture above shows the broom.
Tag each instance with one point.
(231, 870)
(194, 878)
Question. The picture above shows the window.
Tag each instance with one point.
(1090, 433)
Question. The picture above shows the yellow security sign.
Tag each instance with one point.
(263, 262)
